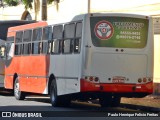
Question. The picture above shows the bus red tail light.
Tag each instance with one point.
(144, 79)
(139, 80)
(91, 78)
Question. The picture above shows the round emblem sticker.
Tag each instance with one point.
(103, 30)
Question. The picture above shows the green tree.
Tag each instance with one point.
(27, 3)
(11, 2)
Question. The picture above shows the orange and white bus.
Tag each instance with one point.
(4, 25)
(94, 56)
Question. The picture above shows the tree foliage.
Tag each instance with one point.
(27, 3)
(11, 2)
(50, 1)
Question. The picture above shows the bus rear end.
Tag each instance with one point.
(119, 57)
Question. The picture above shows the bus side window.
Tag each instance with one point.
(18, 41)
(36, 41)
(69, 32)
(57, 39)
(45, 47)
(27, 42)
(10, 50)
(19, 35)
(36, 48)
(67, 46)
(56, 46)
(27, 48)
(18, 49)
(47, 36)
(49, 46)
(77, 41)
(77, 45)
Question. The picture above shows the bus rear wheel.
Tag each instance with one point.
(19, 95)
(105, 100)
(56, 100)
(53, 94)
(116, 100)
(109, 101)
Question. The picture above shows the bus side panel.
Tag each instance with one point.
(32, 72)
(37, 85)
(8, 84)
(66, 68)
(24, 86)
(36, 69)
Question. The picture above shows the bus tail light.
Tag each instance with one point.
(139, 80)
(92, 79)
(144, 79)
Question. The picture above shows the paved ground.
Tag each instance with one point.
(150, 101)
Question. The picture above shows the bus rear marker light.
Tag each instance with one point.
(144, 79)
(91, 78)
(139, 80)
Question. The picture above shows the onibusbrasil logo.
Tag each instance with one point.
(103, 30)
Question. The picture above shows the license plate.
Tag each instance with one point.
(118, 79)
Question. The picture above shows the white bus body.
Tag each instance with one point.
(116, 57)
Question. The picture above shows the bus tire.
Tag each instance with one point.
(116, 101)
(105, 100)
(58, 101)
(53, 94)
(19, 95)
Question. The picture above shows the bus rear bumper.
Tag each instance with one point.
(87, 86)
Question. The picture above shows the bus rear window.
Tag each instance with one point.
(119, 32)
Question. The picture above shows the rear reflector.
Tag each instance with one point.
(91, 78)
(144, 79)
(96, 79)
(139, 80)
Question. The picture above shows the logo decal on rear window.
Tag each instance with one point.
(103, 30)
